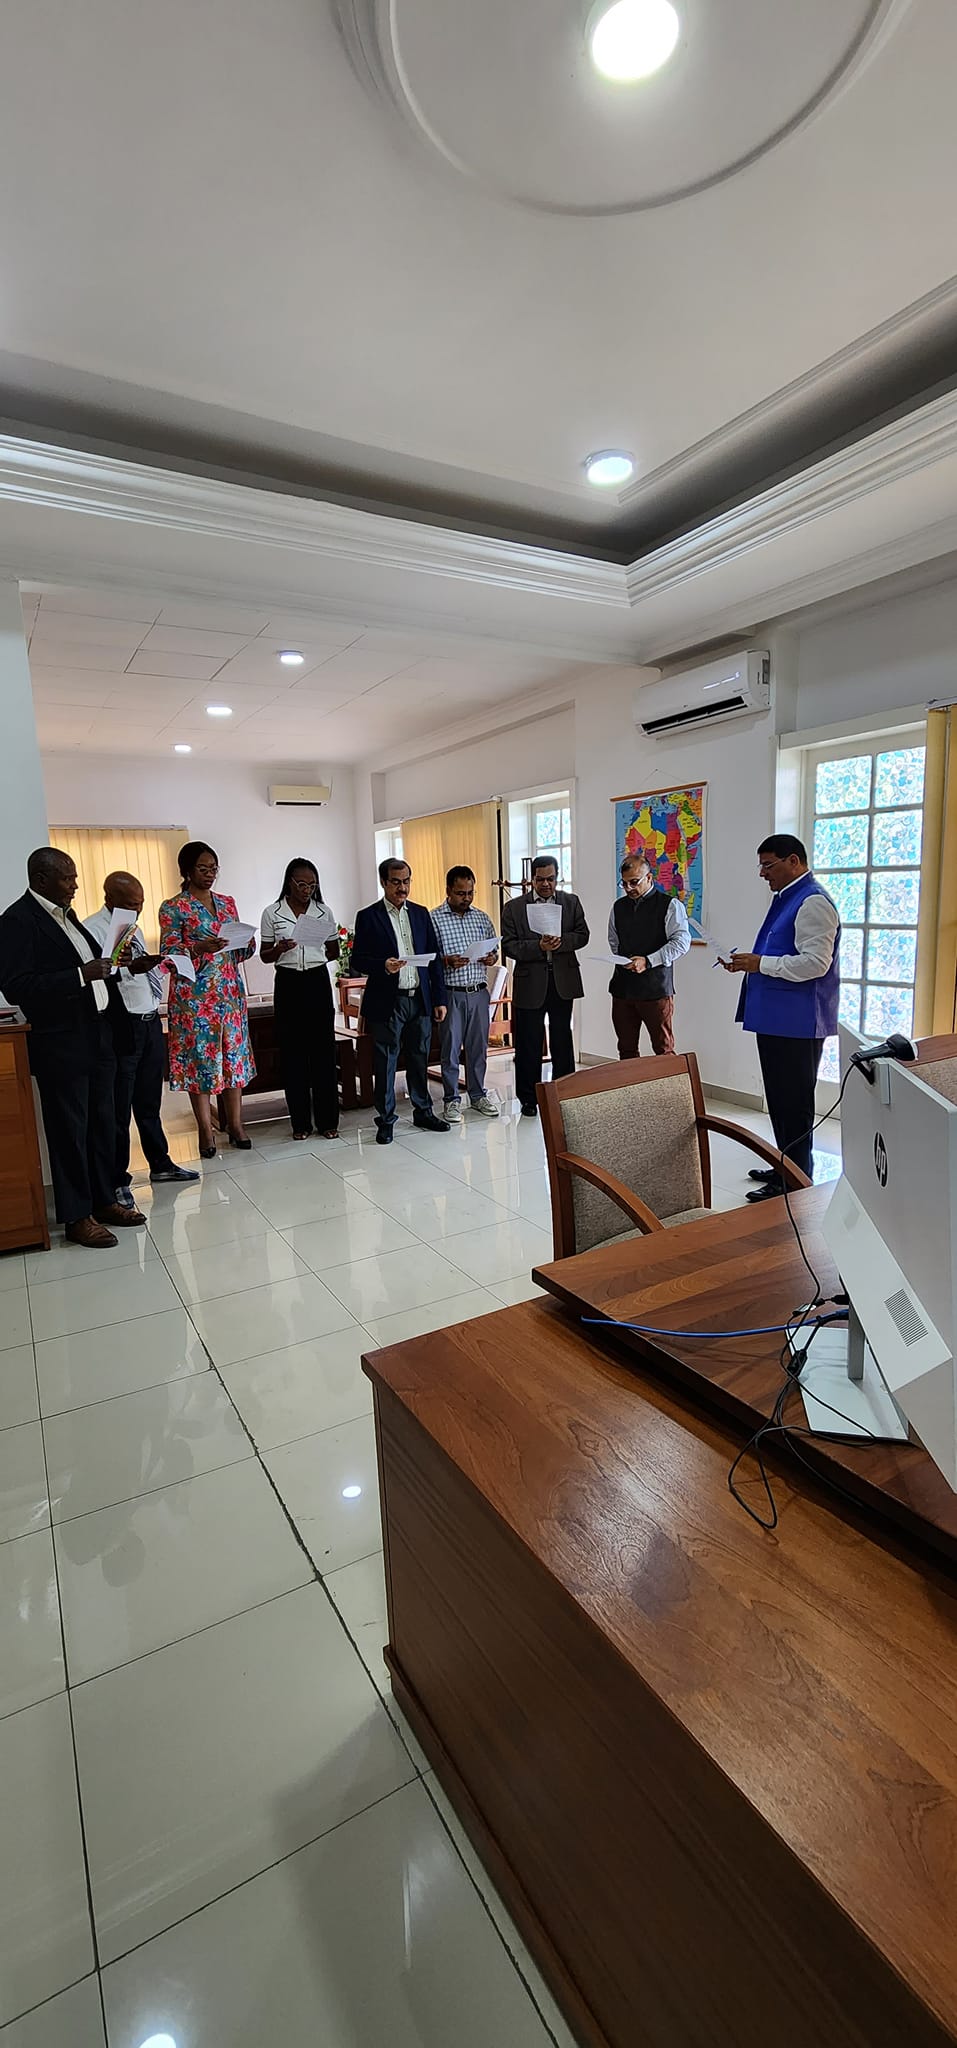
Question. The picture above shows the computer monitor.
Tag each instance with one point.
(892, 1228)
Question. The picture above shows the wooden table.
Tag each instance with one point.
(713, 1772)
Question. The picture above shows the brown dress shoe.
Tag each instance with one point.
(87, 1231)
(119, 1218)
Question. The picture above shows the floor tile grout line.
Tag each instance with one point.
(28, 2012)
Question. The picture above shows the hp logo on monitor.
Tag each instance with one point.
(880, 1160)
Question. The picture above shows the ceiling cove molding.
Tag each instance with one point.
(904, 448)
(68, 480)
(762, 419)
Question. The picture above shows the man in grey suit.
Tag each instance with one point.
(546, 980)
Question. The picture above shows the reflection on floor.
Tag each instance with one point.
(217, 1828)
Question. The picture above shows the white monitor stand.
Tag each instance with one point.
(891, 1228)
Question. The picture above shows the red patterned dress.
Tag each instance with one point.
(208, 1029)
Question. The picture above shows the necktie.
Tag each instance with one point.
(156, 986)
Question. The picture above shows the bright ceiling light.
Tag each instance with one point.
(609, 466)
(159, 2041)
(290, 659)
(219, 711)
(633, 38)
(182, 748)
(351, 1492)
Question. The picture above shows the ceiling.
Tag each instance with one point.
(418, 257)
(116, 672)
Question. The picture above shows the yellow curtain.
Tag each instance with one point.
(463, 838)
(150, 856)
(935, 992)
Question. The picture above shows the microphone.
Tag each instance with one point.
(896, 1047)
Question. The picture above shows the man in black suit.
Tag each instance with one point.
(546, 980)
(51, 967)
(399, 1002)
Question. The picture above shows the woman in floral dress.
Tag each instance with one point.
(209, 1051)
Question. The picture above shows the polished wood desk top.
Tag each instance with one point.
(816, 1667)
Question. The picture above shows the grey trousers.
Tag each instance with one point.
(465, 1029)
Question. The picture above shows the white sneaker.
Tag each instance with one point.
(485, 1106)
(453, 1112)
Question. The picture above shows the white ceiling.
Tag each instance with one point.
(211, 228)
(121, 673)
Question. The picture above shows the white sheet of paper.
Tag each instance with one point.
(121, 922)
(611, 959)
(315, 928)
(182, 964)
(701, 932)
(418, 959)
(545, 920)
(237, 936)
(480, 949)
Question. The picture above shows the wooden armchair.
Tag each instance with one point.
(628, 1151)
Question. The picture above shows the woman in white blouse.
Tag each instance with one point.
(304, 1009)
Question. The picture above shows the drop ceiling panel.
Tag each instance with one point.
(106, 660)
(87, 630)
(193, 640)
(196, 668)
(101, 603)
(213, 617)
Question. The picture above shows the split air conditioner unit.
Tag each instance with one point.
(737, 686)
(299, 792)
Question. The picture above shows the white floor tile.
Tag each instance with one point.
(136, 1577)
(285, 1738)
(266, 1318)
(45, 1938)
(509, 1293)
(364, 1234)
(115, 1450)
(500, 1251)
(397, 1280)
(72, 2020)
(303, 1388)
(435, 1217)
(312, 1477)
(233, 1268)
(305, 1195)
(18, 1386)
(95, 1365)
(434, 1315)
(180, 1228)
(23, 1487)
(75, 1262)
(359, 1593)
(12, 1272)
(31, 1651)
(371, 1938)
(96, 1299)
(16, 1328)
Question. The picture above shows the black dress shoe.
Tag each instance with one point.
(383, 1135)
(240, 1144)
(207, 1151)
(424, 1122)
(766, 1193)
(529, 1108)
(764, 1173)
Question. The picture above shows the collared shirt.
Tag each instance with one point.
(458, 930)
(140, 993)
(404, 944)
(677, 935)
(77, 939)
(815, 932)
(279, 922)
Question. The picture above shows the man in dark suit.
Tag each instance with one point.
(52, 968)
(399, 1002)
(546, 980)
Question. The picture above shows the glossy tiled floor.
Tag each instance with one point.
(216, 1828)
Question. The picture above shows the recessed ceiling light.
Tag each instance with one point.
(182, 748)
(219, 711)
(351, 1492)
(633, 38)
(609, 466)
(290, 659)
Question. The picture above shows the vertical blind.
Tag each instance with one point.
(150, 856)
(462, 838)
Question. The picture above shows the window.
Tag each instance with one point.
(864, 827)
(551, 823)
(388, 843)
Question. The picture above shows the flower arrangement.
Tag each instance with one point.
(346, 941)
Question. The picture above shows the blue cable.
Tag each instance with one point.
(715, 1336)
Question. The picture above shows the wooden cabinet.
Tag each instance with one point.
(23, 1218)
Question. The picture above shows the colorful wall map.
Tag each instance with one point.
(668, 826)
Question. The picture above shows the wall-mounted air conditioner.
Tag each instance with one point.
(737, 686)
(300, 792)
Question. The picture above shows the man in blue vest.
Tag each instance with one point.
(790, 996)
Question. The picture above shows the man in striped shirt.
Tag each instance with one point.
(460, 928)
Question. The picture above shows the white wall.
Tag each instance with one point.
(23, 822)
(879, 659)
(226, 805)
(539, 753)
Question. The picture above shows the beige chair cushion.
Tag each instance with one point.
(687, 1216)
(645, 1135)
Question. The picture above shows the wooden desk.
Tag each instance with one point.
(738, 1269)
(713, 1772)
(23, 1214)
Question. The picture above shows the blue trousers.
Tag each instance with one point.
(409, 1029)
(465, 1030)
